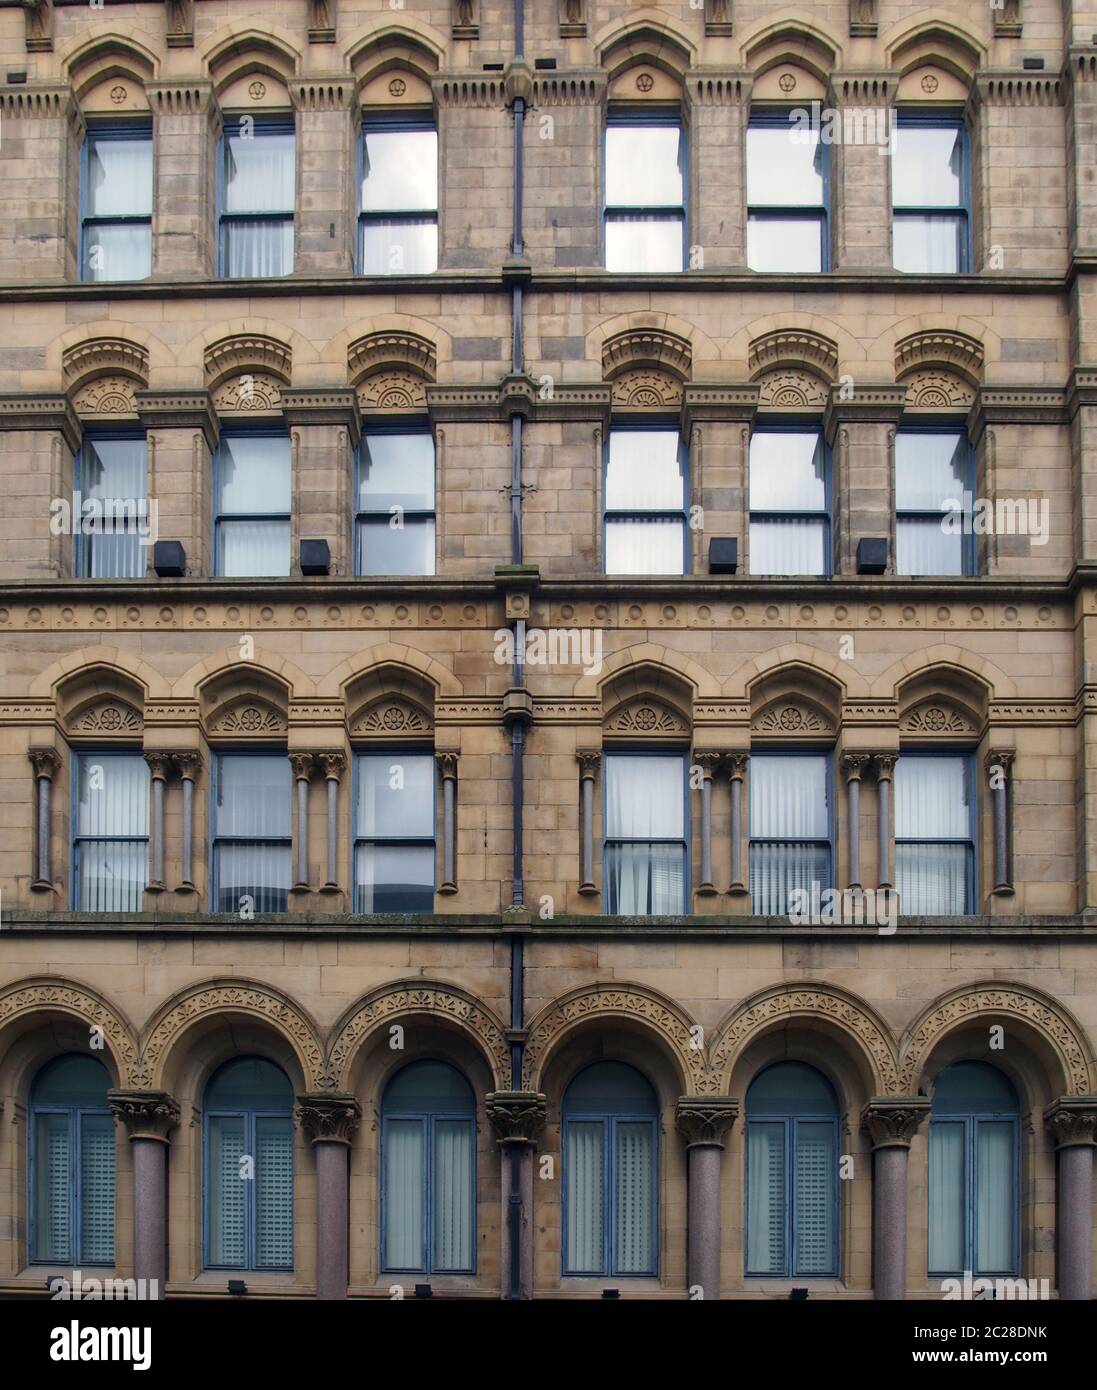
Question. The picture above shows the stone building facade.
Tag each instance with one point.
(519, 357)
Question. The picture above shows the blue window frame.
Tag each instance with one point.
(71, 1164)
(248, 1167)
(790, 501)
(428, 1166)
(111, 483)
(645, 812)
(788, 194)
(116, 202)
(644, 213)
(251, 504)
(645, 491)
(931, 194)
(394, 854)
(934, 486)
(791, 828)
(252, 831)
(110, 842)
(394, 520)
(610, 1174)
(792, 1174)
(935, 811)
(256, 196)
(974, 1173)
(398, 198)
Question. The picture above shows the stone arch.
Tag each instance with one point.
(793, 367)
(1050, 1030)
(930, 38)
(963, 666)
(245, 372)
(294, 356)
(87, 62)
(640, 1007)
(443, 1003)
(336, 357)
(929, 337)
(794, 38)
(388, 655)
(101, 702)
(27, 1003)
(383, 45)
(817, 665)
(646, 700)
(108, 662)
(264, 663)
(702, 348)
(942, 701)
(163, 1035)
(647, 367)
(648, 36)
(389, 701)
(864, 1035)
(101, 375)
(794, 342)
(391, 370)
(941, 369)
(795, 700)
(650, 655)
(236, 51)
(244, 701)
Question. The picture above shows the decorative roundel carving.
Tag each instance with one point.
(397, 87)
(118, 95)
(786, 82)
(257, 91)
(929, 83)
(645, 82)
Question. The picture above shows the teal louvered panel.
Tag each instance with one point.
(453, 1195)
(815, 1198)
(635, 1184)
(766, 1212)
(227, 1192)
(96, 1189)
(273, 1192)
(403, 1194)
(586, 1197)
(52, 1196)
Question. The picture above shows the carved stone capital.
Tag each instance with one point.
(1072, 1120)
(589, 760)
(884, 764)
(447, 765)
(737, 765)
(329, 1116)
(188, 764)
(705, 1121)
(302, 764)
(999, 757)
(45, 761)
(145, 1114)
(516, 1116)
(333, 765)
(708, 761)
(854, 764)
(160, 765)
(893, 1123)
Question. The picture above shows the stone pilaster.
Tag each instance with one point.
(891, 1124)
(704, 1124)
(149, 1118)
(1072, 1123)
(185, 127)
(327, 131)
(330, 1119)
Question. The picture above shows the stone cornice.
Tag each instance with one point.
(1011, 88)
(717, 86)
(883, 404)
(454, 89)
(876, 89)
(51, 411)
(37, 100)
(1017, 405)
(336, 92)
(323, 406)
(179, 410)
(576, 87)
(519, 395)
(181, 98)
(701, 401)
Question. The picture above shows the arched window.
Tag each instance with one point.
(249, 1167)
(973, 1172)
(610, 1164)
(792, 1173)
(72, 1164)
(428, 1162)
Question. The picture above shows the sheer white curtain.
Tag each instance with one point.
(119, 185)
(994, 1189)
(112, 807)
(932, 807)
(789, 799)
(645, 802)
(404, 1158)
(586, 1196)
(766, 1197)
(254, 807)
(946, 1197)
(259, 178)
(453, 1209)
(788, 545)
(927, 244)
(253, 476)
(115, 471)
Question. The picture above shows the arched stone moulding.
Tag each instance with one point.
(245, 372)
(941, 370)
(101, 375)
(646, 36)
(42, 996)
(391, 370)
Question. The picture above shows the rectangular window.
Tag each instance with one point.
(111, 843)
(645, 868)
(972, 1196)
(933, 498)
(934, 834)
(786, 194)
(930, 195)
(394, 518)
(789, 502)
(73, 1186)
(790, 828)
(252, 831)
(791, 1207)
(258, 178)
(252, 505)
(116, 203)
(110, 508)
(394, 833)
(645, 212)
(398, 200)
(645, 502)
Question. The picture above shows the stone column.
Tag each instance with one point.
(589, 760)
(891, 1124)
(302, 773)
(998, 766)
(447, 767)
(885, 767)
(159, 768)
(704, 1124)
(46, 763)
(707, 762)
(517, 1118)
(189, 765)
(738, 767)
(1072, 1121)
(853, 765)
(331, 1119)
(333, 765)
(149, 1117)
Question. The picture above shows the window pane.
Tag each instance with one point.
(253, 474)
(72, 1080)
(815, 1243)
(399, 246)
(784, 243)
(453, 1195)
(791, 1088)
(927, 167)
(643, 166)
(403, 1195)
(260, 247)
(429, 1086)
(394, 878)
(645, 470)
(119, 177)
(51, 1188)
(643, 243)
(117, 251)
(933, 798)
(113, 795)
(387, 549)
(259, 171)
(273, 1192)
(789, 797)
(585, 1176)
(932, 879)
(259, 872)
(395, 795)
(787, 471)
(930, 469)
(922, 546)
(400, 170)
(227, 1192)
(635, 1188)
(114, 473)
(946, 1198)
(776, 870)
(113, 875)
(929, 245)
(97, 1189)
(784, 167)
(765, 1198)
(638, 546)
(994, 1202)
(396, 470)
(254, 796)
(645, 880)
(250, 1083)
(645, 797)
(792, 546)
(253, 548)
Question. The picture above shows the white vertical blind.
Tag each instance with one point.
(933, 806)
(273, 1192)
(453, 1208)
(645, 802)
(766, 1201)
(404, 1187)
(97, 1189)
(946, 1197)
(994, 1196)
(112, 805)
(52, 1186)
(635, 1175)
(815, 1244)
(227, 1197)
(586, 1196)
(789, 801)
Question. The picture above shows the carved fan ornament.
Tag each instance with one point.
(392, 391)
(930, 388)
(389, 718)
(647, 718)
(108, 717)
(935, 718)
(107, 395)
(644, 389)
(792, 389)
(790, 717)
(250, 719)
(250, 391)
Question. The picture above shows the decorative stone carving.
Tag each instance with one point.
(97, 357)
(251, 391)
(893, 1123)
(644, 389)
(1007, 19)
(332, 765)
(863, 19)
(589, 760)
(107, 395)
(188, 764)
(517, 1117)
(392, 390)
(391, 718)
(180, 24)
(1072, 1122)
(247, 354)
(792, 389)
(145, 1114)
(45, 761)
(705, 1121)
(953, 351)
(464, 19)
(329, 1116)
(375, 351)
(791, 718)
(646, 347)
(936, 718)
(718, 23)
(111, 718)
(572, 19)
(321, 21)
(249, 719)
(932, 388)
(43, 996)
(647, 719)
(788, 348)
(38, 25)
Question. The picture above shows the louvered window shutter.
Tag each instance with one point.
(635, 1178)
(96, 1189)
(52, 1217)
(273, 1192)
(815, 1198)
(766, 1210)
